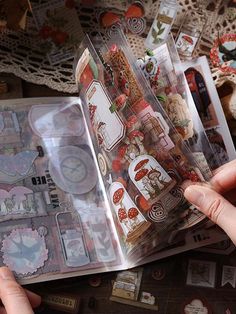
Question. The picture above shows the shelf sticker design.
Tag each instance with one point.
(24, 251)
(108, 127)
(132, 222)
(101, 236)
(150, 178)
(56, 121)
(21, 202)
(16, 167)
(72, 169)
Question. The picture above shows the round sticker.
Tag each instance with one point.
(71, 169)
(102, 164)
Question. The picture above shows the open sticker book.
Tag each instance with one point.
(94, 183)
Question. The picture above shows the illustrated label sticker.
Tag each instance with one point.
(107, 125)
(228, 276)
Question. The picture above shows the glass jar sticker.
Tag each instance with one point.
(131, 220)
(150, 178)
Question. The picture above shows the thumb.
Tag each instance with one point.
(12, 294)
(214, 206)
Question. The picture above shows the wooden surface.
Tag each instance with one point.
(171, 292)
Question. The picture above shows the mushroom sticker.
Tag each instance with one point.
(150, 178)
(185, 44)
(132, 222)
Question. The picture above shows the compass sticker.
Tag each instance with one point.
(24, 251)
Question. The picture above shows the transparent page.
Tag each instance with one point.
(142, 158)
(54, 219)
(209, 107)
(163, 70)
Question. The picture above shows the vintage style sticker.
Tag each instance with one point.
(102, 164)
(56, 121)
(201, 273)
(179, 113)
(101, 236)
(21, 202)
(223, 53)
(150, 178)
(196, 306)
(24, 251)
(228, 276)
(147, 297)
(132, 222)
(186, 44)
(72, 169)
(9, 129)
(108, 127)
(72, 240)
(16, 167)
(62, 302)
(59, 29)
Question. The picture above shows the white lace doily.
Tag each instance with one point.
(20, 54)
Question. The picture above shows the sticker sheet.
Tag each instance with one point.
(210, 110)
(142, 158)
(163, 70)
(54, 219)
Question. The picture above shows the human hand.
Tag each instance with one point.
(217, 198)
(14, 298)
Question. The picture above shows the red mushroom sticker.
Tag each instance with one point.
(122, 214)
(118, 196)
(140, 174)
(132, 123)
(141, 164)
(133, 216)
(136, 137)
(120, 102)
(123, 217)
(188, 39)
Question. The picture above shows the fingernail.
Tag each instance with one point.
(194, 195)
(6, 274)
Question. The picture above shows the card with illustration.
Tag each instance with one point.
(59, 29)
